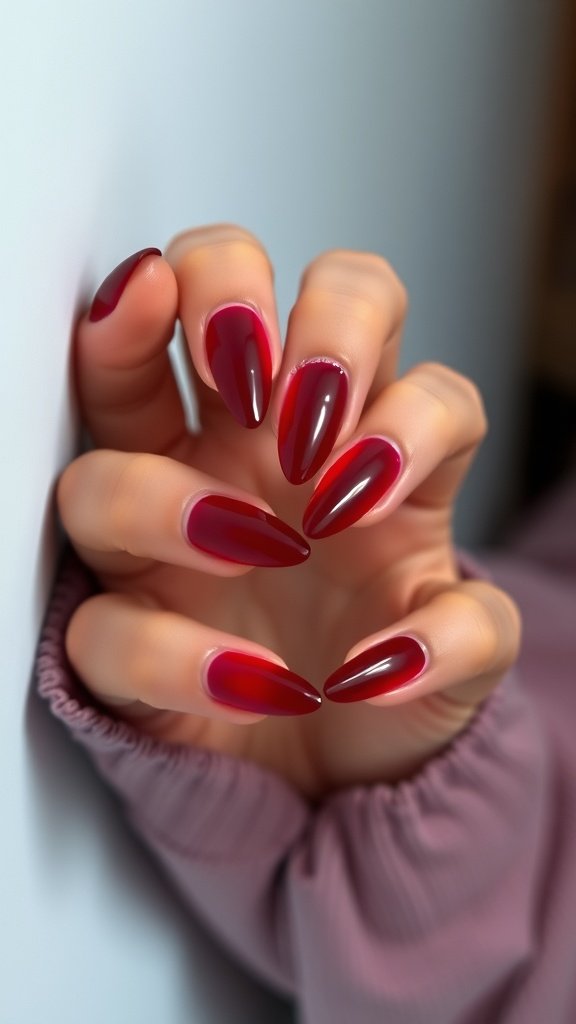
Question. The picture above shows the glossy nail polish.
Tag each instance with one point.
(239, 356)
(255, 684)
(110, 291)
(311, 417)
(239, 532)
(352, 486)
(381, 669)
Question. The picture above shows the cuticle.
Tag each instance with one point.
(228, 305)
(397, 636)
(209, 492)
(320, 359)
(187, 506)
(424, 647)
(244, 304)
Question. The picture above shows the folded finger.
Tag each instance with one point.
(130, 654)
(152, 507)
(228, 310)
(460, 642)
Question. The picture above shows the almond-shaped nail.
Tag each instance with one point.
(110, 291)
(312, 412)
(243, 533)
(352, 486)
(239, 356)
(384, 668)
(258, 685)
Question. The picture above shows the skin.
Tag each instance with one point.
(141, 645)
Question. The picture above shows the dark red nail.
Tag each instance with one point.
(110, 291)
(255, 684)
(239, 532)
(239, 356)
(311, 417)
(352, 486)
(381, 669)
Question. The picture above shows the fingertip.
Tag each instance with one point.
(240, 679)
(113, 286)
(238, 348)
(137, 302)
(379, 669)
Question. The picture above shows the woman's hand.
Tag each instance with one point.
(377, 607)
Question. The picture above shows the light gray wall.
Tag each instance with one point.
(410, 127)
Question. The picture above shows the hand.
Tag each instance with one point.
(175, 564)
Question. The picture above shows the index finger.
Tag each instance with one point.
(228, 311)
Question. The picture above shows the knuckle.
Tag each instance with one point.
(69, 486)
(509, 620)
(366, 276)
(209, 234)
(336, 308)
(198, 248)
(496, 619)
(453, 394)
(473, 400)
(79, 634)
(426, 378)
(141, 659)
(127, 494)
(64, 491)
(482, 625)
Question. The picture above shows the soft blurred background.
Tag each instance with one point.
(548, 443)
(440, 134)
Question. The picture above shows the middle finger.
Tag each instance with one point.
(343, 339)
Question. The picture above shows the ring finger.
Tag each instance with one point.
(414, 443)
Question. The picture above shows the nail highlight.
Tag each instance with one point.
(239, 356)
(255, 684)
(384, 668)
(239, 532)
(311, 417)
(110, 291)
(352, 486)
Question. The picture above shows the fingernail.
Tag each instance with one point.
(238, 352)
(255, 684)
(384, 668)
(352, 486)
(311, 417)
(239, 532)
(110, 291)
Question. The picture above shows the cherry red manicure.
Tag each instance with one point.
(239, 357)
(352, 486)
(239, 532)
(255, 684)
(311, 417)
(386, 667)
(110, 291)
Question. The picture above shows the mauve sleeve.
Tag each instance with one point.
(418, 903)
(222, 829)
